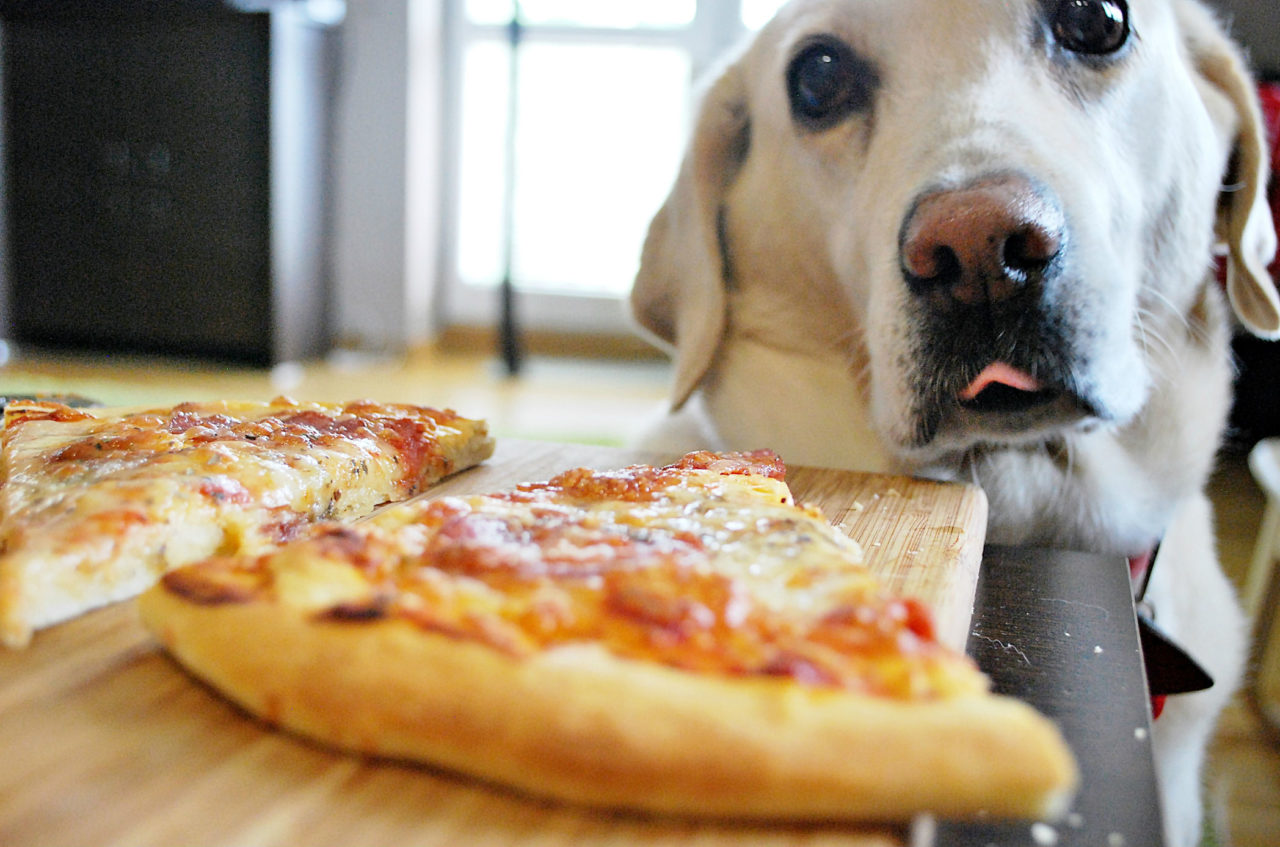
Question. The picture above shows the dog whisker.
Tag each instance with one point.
(1162, 299)
(1153, 341)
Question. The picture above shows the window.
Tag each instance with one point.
(600, 116)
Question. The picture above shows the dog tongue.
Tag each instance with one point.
(998, 373)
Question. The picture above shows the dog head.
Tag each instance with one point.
(996, 212)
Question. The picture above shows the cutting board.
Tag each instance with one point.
(107, 742)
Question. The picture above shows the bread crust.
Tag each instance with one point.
(581, 725)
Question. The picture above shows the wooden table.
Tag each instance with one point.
(106, 741)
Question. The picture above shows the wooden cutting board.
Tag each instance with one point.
(107, 742)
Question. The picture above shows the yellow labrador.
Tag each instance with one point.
(973, 239)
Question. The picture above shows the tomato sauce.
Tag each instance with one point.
(650, 595)
(407, 432)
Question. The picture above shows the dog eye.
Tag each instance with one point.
(826, 82)
(1093, 27)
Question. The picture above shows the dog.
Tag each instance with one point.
(975, 240)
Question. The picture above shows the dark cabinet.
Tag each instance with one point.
(166, 177)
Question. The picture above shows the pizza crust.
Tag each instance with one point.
(581, 725)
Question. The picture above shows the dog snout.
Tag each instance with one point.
(981, 243)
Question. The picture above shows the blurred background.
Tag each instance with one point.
(265, 182)
(269, 181)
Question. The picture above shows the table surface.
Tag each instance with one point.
(1054, 628)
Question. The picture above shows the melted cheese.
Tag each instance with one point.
(701, 569)
(95, 505)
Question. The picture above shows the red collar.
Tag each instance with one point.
(1169, 668)
(1140, 571)
(1139, 576)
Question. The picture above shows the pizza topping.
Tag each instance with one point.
(299, 430)
(699, 569)
(799, 668)
(644, 482)
(411, 448)
(409, 433)
(97, 447)
(673, 603)
(96, 504)
(283, 526)
(370, 610)
(543, 542)
(264, 452)
(18, 414)
(224, 489)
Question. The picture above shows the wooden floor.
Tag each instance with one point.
(1244, 778)
(605, 403)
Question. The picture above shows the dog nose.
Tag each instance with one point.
(982, 243)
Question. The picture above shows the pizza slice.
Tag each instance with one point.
(96, 504)
(681, 639)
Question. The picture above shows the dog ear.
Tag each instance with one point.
(679, 292)
(1245, 223)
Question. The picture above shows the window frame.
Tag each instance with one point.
(716, 27)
